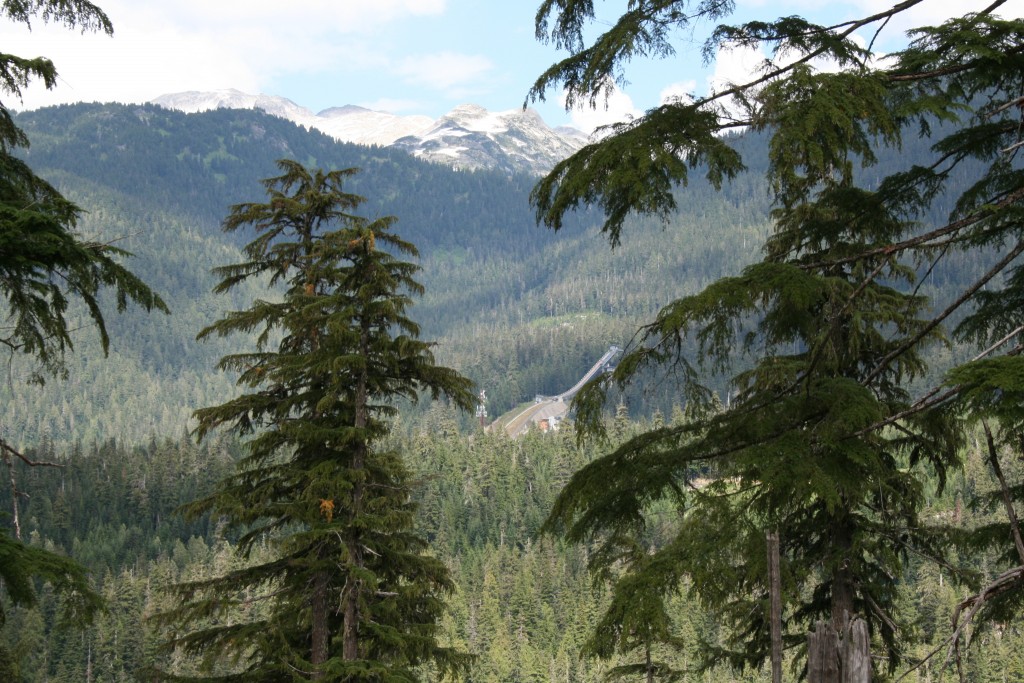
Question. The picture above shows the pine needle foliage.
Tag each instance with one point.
(44, 263)
(797, 450)
(823, 440)
(349, 593)
(45, 267)
(21, 565)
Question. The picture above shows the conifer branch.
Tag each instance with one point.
(922, 239)
(1007, 581)
(934, 397)
(949, 310)
(924, 660)
(1010, 580)
(849, 27)
(1011, 148)
(1015, 102)
(992, 8)
(944, 71)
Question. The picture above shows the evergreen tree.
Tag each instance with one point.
(816, 444)
(44, 263)
(351, 594)
(44, 266)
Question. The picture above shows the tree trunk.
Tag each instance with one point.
(857, 653)
(823, 654)
(350, 635)
(842, 599)
(353, 589)
(318, 605)
(775, 616)
(842, 589)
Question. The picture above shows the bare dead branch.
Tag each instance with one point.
(1012, 147)
(1004, 490)
(1005, 582)
(1016, 102)
(939, 648)
(7, 448)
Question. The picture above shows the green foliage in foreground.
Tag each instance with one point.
(826, 439)
(45, 263)
(46, 266)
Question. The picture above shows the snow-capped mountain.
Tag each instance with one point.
(348, 124)
(194, 101)
(513, 141)
(467, 137)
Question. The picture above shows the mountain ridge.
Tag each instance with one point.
(468, 137)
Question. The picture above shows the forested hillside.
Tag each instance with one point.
(519, 309)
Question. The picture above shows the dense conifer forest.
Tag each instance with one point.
(525, 605)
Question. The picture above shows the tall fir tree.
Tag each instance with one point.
(351, 593)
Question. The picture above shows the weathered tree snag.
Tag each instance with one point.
(823, 654)
(856, 657)
(832, 658)
(6, 451)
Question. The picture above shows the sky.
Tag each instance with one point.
(401, 56)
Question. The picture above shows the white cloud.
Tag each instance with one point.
(741, 65)
(392, 106)
(307, 16)
(134, 67)
(678, 92)
(444, 70)
(735, 66)
(615, 108)
(200, 45)
(931, 12)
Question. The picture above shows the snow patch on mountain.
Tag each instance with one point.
(467, 137)
(348, 123)
(194, 101)
(367, 127)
